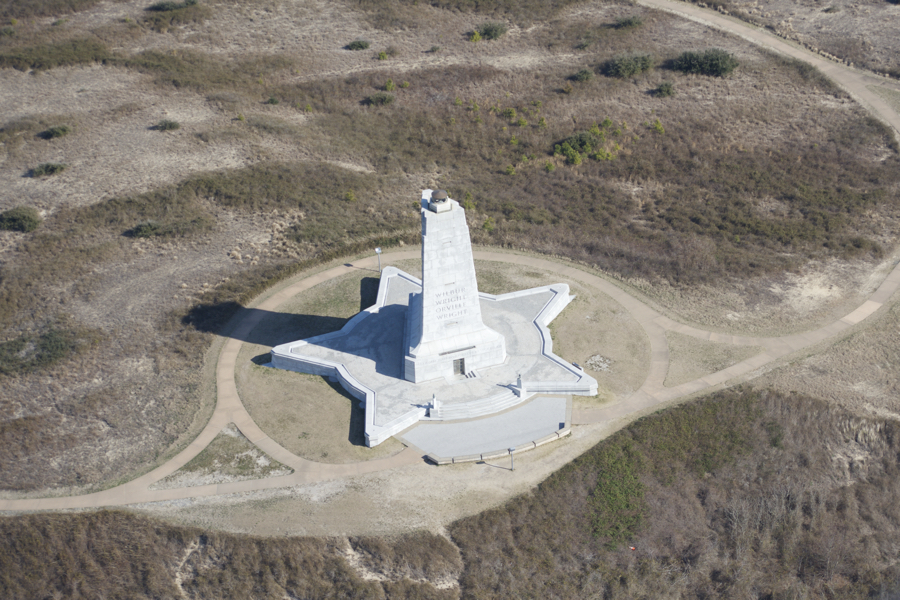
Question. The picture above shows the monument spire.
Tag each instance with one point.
(445, 335)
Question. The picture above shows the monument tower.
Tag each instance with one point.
(445, 335)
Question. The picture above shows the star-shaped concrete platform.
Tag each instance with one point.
(366, 355)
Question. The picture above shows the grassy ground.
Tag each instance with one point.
(306, 414)
(690, 358)
(229, 457)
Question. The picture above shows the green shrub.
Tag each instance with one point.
(382, 55)
(273, 100)
(47, 169)
(491, 31)
(665, 89)
(434, 49)
(475, 37)
(714, 62)
(167, 125)
(628, 65)
(628, 22)
(7, 31)
(147, 229)
(358, 45)
(389, 85)
(20, 218)
(168, 5)
(379, 99)
(583, 75)
(55, 132)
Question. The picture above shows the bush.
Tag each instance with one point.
(47, 169)
(272, 100)
(20, 218)
(628, 65)
(491, 31)
(7, 31)
(665, 89)
(166, 125)
(168, 5)
(382, 55)
(379, 99)
(147, 229)
(714, 62)
(583, 75)
(358, 45)
(628, 22)
(55, 132)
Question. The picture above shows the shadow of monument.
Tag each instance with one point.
(377, 338)
(256, 326)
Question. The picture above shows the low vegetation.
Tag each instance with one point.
(714, 62)
(358, 45)
(55, 132)
(48, 169)
(24, 9)
(735, 495)
(664, 90)
(34, 351)
(722, 498)
(20, 218)
(167, 125)
(492, 31)
(628, 65)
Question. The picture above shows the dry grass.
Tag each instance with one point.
(690, 358)
(742, 494)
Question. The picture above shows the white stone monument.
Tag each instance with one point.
(445, 335)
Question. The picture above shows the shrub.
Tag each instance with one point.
(434, 49)
(491, 31)
(389, 85)
(167, 125)
(20, 218)
(47, 169)
(628, 22)
(168, 5)
(147, 229)
(665, 89)
(475, 37)
(628, 65)
(55, 132)
(358, 45)
(7, 31)
(272, 100)
(392, 51)
(510, 170)
(714, 62)
(379, 99)
(488, 224)
(583, 75)
(382, 55)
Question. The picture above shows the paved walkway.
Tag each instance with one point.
(649, 396)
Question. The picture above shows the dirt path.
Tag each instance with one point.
(853, 81)
(651, 394)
